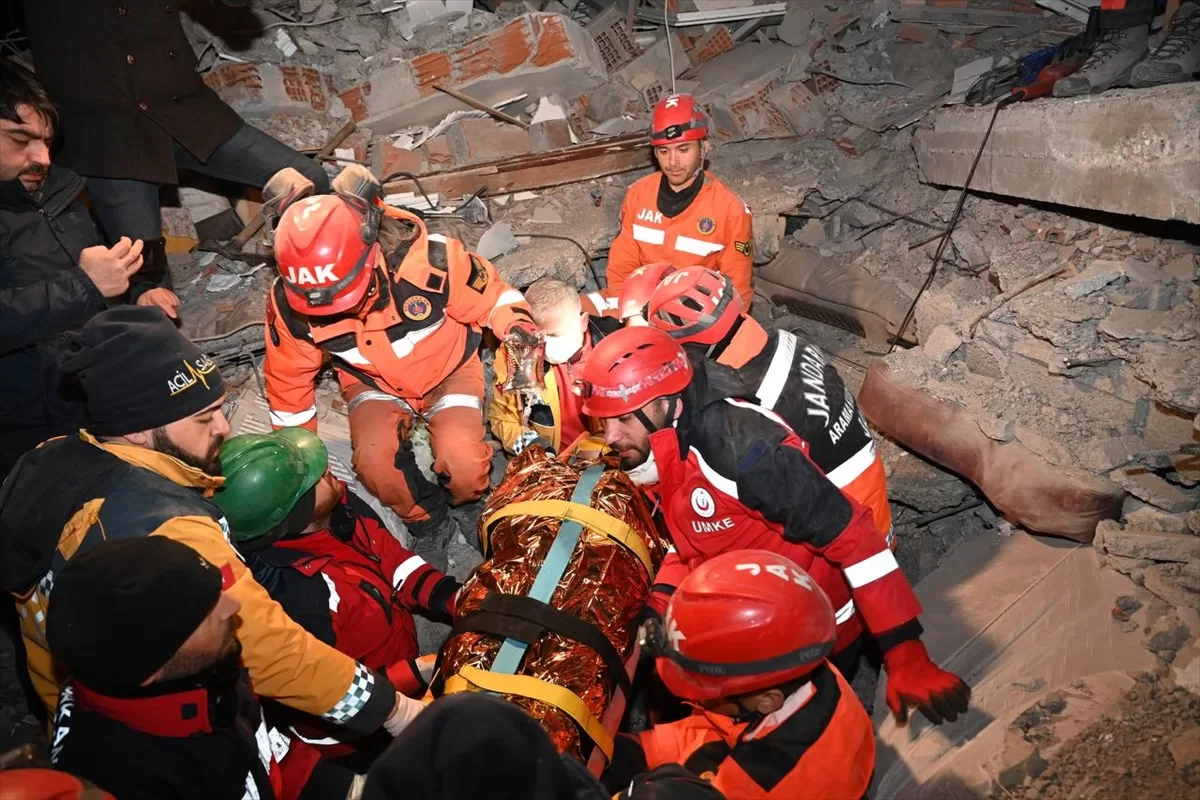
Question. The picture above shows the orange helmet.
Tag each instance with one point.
(695, 305)
(742, 622)
(677, 118)
(629, 368)
(326, 250)
(636, 291)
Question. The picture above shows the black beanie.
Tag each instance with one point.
(138, 371)
(120, 610)
(470, 746)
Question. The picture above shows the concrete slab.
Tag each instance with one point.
(1126, 151)
(1013, 617)
(537, 53)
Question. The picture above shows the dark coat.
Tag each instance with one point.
(123, 77)
(43, 294)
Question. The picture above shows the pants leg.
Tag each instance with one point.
(454, 411)
(126, 208)
(383, 457)
(252, 157)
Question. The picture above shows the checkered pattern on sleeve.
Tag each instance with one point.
(356, 696)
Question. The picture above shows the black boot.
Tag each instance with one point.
(431, 538)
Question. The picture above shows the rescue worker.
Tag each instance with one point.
(745, 638)
(683, 216)
(159, 704)
(733, 476)
(400, 312)
(324, 555)
(143, 468)
(782, 373)
(571, 333)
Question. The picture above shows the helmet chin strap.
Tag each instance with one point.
(650, 426)
(748, 715)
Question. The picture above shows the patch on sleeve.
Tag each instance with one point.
(742, 247)
(479, 275)
(227, 577)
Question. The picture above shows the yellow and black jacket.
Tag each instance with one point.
(74, 491)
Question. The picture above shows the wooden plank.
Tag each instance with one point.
(573, 164)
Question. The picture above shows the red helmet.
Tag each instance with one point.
(47, 784)
(636, 291)
(628, 369)
(742, 622)
(325, 249)
(677, 118)
(695, 305)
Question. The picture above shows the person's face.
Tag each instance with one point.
(25, 148)
(329, 493)
(681, 162)
(564, 327)
(629, 438)
(214, 639)
(195, 440)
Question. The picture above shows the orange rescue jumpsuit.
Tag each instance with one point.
(714, 231)
(819, 746)
(414, 351)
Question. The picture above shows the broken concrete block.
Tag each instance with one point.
(1098, 275)
(1182, 267)
(737, 89)
(497, 241)
(793, 29)
(260, 90)
(533, 53)
(614, 41)
(1075, 151)
(1134, 323)
(1178, 584)
(657, 60)
(387, 159)
(1133, 542)
(856, 140)
(552, 134)
(970, 248)
(1150, 488)
(803, 112)
(716, 41)
(546, 215)
(474, 141)
(941, 344)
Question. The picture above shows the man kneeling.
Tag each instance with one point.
(745, 637)
(324, 555)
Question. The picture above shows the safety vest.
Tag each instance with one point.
(823, 749)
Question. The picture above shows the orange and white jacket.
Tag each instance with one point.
(425, 322)
(714, 231)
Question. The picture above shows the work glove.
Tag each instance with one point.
(281, 190)
(914, 680)
(357, 181)
(405, 712)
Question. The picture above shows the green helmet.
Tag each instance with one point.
(265, 474)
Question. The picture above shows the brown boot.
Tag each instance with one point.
(1028, 490)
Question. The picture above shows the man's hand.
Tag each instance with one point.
(405, 712)
(111, 267)
(281, 190)
(914, 680)
(357, 181)
(163, 298)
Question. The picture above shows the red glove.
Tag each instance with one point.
(914, 680)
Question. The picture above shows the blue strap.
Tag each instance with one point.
(508, 659)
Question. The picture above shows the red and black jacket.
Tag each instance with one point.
(354, 586)
(734, 476)
(192, 742)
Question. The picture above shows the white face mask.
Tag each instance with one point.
(645, 473)
(561, 349)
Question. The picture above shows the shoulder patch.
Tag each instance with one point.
(743, 247)
(479, 275)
